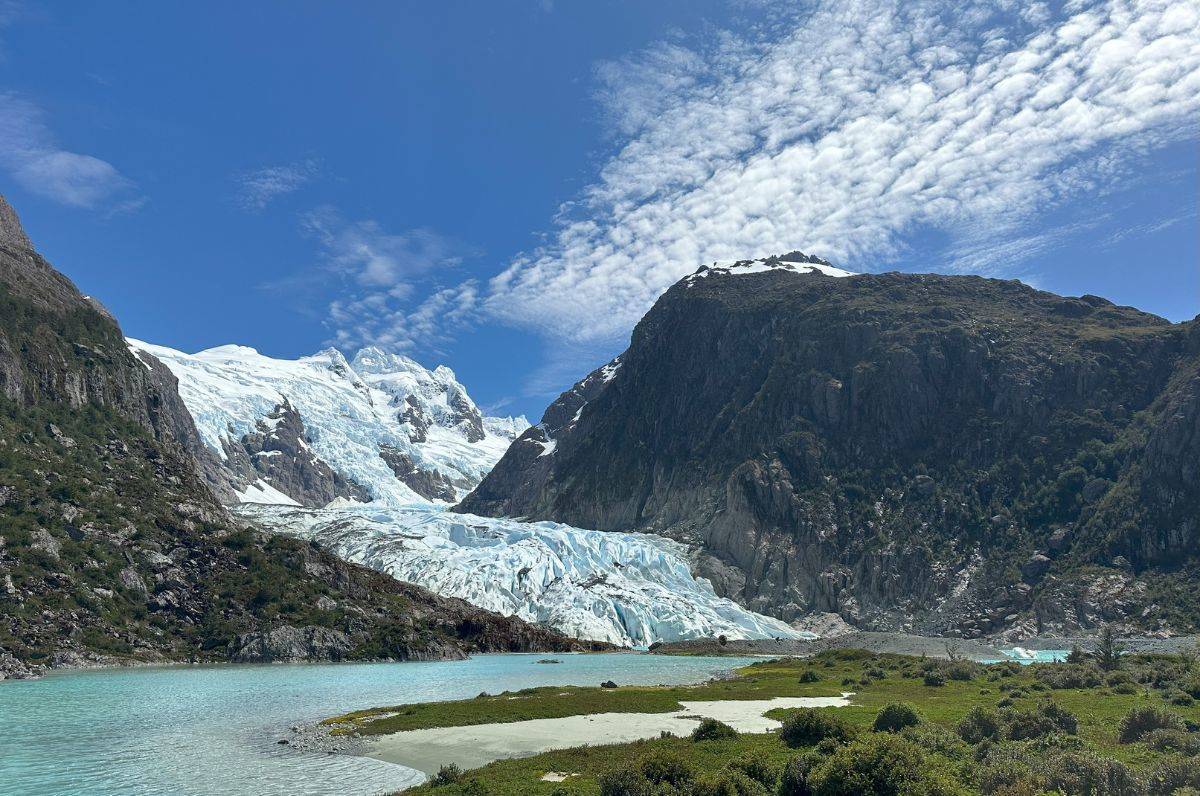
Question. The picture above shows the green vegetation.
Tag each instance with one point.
(1061, 730)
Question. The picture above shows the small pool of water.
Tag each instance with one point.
(1022, 655)
(212, 730)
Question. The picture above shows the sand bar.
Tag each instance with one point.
(471, 747)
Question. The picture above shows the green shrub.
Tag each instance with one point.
(809, 726)
(446, 775)
(794, 779)
(896, 716)
(758, 769)
(713, 730)
(1087, 773)
(1181, 698)
(1047, 718)
(881, 764)
(1142, 721)
(980, 724)
(729, 783)
(1068, 675)
(934, 678)
(936, 739)
(1174, 774)
(624, 782)
(1173, 741)
(809, 676)
(1125, 688)
(962, 670)
(666, 768)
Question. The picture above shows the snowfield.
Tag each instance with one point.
(626, 588)
(350, 411)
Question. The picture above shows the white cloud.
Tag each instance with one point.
(29, 152)
(841, 130)
(258, 188)
(377, 276)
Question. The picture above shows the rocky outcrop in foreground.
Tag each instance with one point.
(941, 454)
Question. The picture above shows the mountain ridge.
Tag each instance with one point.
(919, 452)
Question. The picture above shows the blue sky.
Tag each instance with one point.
(505, 187)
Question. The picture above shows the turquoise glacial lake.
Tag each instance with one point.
(200, 730)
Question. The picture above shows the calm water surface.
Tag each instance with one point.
(212, 729)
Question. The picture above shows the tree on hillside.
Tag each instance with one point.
(1108, 651)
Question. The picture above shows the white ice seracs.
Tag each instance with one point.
(348, 415)
(626, 588)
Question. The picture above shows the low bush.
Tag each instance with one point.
(1174, 774)
(881, 764)
(980, 724)
(624, 782)
(713, 730)
(758, 769)
(1047, 718)
(1140, 722)
(934, 678)
(1068, 675)
(793, 781)
(809, 676)
(962, 670)
(667, 768)
(447, 775)
(1087, 773)
(1173, 741)
(729, 783)
(1181, 698)
(809, 726)
(895, 717)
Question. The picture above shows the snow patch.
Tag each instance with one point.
(262, 492)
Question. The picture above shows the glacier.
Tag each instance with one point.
(625, 588)
(630, 589)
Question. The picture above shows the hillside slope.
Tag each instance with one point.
(113, 547)
(936, 453)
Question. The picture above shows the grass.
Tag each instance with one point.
(1099, 711)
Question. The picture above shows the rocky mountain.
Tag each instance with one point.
(113, 547)
(306, 432)
(911, 451)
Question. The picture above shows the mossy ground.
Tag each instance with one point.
(1099, 710)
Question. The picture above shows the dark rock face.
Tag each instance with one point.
(892, 448)
(428, 484)
(278, 452)
(112, 545)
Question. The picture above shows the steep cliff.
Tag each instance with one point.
(111, 544)
(941, 453)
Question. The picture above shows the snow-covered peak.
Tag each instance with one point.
(400, 432)
(376, 360)
(793, 262)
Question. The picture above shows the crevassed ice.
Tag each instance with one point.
(625, 588)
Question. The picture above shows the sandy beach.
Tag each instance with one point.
(471, 747)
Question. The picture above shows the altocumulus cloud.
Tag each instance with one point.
(258, 188)
(31, 155)
(378, 276)
(845, 129)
